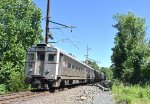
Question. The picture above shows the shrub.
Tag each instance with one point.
(3, 88)
(16, 81)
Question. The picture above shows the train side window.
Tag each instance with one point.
(50, 57)
(76, 67)
(79, 68)
(73, 66)
(31, 56)
(69, 65)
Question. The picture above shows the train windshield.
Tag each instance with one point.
(30, 56)
(50, 57)
(41, 56)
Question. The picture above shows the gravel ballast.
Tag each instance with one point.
(86, 94)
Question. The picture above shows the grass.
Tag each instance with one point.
(131, 94)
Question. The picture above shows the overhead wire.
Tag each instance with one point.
(69, 39)
(75, 45)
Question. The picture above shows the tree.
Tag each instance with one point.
(20, 28)
(130, 47)
(94, 65)
(107, 72)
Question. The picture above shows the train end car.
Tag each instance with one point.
(50, 67)
(41, 67)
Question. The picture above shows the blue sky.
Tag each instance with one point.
(93, 21)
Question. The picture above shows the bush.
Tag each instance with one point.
(16, 81)
(2, 89)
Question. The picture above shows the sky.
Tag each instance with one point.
(93, 20)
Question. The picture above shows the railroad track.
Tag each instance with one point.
(23, 96)
(8, 98)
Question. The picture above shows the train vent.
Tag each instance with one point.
(42, 44)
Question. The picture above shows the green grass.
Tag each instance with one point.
(131, 94)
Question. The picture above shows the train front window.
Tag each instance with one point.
(41, 56)
(31, 56)
(50, 57)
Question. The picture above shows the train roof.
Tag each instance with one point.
(65, 53)
(58, 49)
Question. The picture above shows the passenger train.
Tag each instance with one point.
(48, 66)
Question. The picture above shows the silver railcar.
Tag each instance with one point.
(47, 66)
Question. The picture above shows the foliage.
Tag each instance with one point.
(94, 65)
(108, 72)
(16, 80)
(20, 28)
(5, 72)
(131, 94)
(131, 51)
(2, 88)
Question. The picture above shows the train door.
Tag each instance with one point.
(40, 63)
(61, 61)
(30, 63)
(51, 65)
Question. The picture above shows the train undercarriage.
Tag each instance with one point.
(40, 83)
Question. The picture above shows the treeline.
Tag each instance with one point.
(20, 28)
(131, 53)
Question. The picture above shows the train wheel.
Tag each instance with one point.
(62, 84)
(51, 88)
(45, 87)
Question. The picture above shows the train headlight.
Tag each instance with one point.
(30, 70)
(47, 71)
(30, 64)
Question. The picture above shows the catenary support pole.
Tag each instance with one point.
(47, 22)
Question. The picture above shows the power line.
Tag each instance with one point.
(48, 34)
(69, 40)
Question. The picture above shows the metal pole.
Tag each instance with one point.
(47, 21)
(87, 55)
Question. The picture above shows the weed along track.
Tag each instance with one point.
(8, 98)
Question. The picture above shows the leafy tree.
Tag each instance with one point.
(94, 65)
(20, 28)
(108, 72)
(130, 48)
